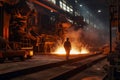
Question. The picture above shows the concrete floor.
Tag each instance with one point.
(96, 72)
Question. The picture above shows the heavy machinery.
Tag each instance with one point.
(8, 52)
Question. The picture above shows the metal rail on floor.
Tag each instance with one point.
(71, 73)
(22, 72)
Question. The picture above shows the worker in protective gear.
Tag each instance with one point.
(67, 46)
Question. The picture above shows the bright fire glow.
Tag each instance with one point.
(61, 51)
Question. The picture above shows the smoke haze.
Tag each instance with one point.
(87, 37)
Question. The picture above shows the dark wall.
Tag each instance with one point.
(1, 21)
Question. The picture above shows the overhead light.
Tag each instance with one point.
(51, 11)
(76, 1)
(81, 5)
(99, 11)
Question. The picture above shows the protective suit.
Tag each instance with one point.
(67, 46)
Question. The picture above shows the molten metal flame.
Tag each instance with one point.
(61, 51)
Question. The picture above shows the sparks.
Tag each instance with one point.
(74, 51)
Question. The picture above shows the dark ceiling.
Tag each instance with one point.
(95, 5)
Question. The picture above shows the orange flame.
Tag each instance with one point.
(74, 51)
